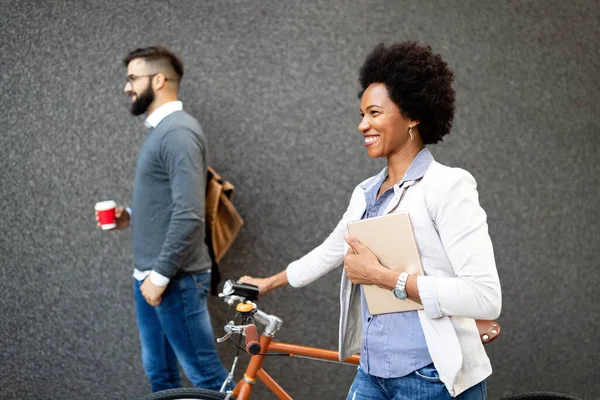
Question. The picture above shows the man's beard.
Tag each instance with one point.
(141, 104)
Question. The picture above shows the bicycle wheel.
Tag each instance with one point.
(540, 396)
(185, 394)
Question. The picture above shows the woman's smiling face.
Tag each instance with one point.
(383, 126)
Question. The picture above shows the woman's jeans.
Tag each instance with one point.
(423, 384)
(179, 328)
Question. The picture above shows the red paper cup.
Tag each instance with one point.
(106, 213)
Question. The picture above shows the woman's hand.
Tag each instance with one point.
(262, 283)
(265, 285)
(362, 267)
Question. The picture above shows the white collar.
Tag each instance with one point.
(161, 112)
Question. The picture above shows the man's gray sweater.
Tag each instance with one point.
(168, 198)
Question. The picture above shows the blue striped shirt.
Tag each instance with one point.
(393, 345)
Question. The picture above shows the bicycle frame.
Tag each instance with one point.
(255, 371)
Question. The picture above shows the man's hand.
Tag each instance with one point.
(122, 217)
(151, 292)
(362, 267)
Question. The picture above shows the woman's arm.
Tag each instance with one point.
(313, 265)
(474, 290)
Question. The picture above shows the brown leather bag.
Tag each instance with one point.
(223, 222)
(488, 330)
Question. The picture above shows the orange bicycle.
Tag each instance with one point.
(259, 347)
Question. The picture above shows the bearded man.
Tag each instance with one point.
(171, 260)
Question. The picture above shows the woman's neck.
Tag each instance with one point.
(399, 162)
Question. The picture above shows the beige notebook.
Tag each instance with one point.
(390, 237)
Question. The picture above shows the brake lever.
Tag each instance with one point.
(231, 299)
(224, 338)
(230, 328)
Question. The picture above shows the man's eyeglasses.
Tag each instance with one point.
(132, 78)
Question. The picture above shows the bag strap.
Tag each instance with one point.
(215, 274)
(227, 187)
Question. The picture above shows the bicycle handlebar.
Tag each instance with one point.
(241, 292)
(252, 344)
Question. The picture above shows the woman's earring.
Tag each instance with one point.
(410, 132)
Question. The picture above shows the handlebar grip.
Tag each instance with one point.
(252, 343)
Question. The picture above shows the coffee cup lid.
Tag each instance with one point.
(105, 205)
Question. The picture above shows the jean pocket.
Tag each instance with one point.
(201, 279)
(428, 373)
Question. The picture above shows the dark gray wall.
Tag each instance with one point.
(274, 85)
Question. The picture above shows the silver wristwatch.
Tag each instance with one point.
(400, 289)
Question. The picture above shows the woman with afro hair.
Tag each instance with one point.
(407, 103)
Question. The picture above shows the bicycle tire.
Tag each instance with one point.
(186, 393)
(540, 396)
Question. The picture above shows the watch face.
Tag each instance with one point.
(400, 294)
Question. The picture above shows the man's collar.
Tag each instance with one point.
(161, 112)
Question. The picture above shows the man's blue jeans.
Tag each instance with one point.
(423, 384)
(179, 328)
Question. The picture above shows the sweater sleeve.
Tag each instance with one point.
(474, 290)
(183, 159)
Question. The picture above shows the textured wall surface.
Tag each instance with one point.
(274, 85)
